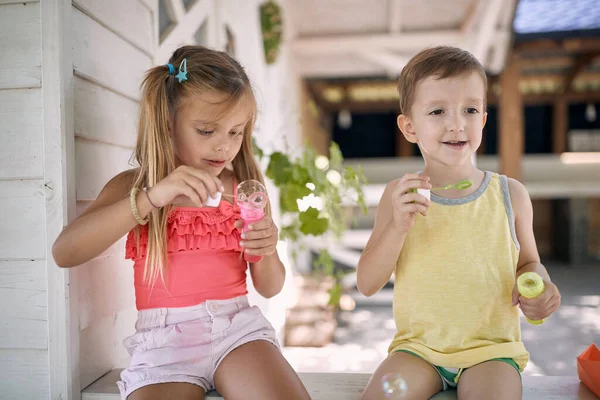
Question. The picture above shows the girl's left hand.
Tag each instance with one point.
(261, 238)
(538, 308)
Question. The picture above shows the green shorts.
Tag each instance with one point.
(450, 376)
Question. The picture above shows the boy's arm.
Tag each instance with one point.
(378, 260)
(529, 258)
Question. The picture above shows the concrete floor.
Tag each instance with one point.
(363, 336)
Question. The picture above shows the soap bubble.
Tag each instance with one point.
(252, 193)
(394, 386)
(252, 199)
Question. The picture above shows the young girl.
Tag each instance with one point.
(195, 329)
(455, 257)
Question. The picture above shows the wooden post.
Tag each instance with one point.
(312, 131)
(511, 121)
(560, 125)
(59, 185)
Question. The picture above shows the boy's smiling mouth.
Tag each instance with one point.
(455, 144)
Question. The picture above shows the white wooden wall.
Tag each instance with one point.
(23, 300)
(109, 46)
(113, 45)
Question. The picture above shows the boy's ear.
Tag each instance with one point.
(407, 129)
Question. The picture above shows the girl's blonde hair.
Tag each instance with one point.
(208, 71)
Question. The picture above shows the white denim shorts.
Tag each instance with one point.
(187, 344)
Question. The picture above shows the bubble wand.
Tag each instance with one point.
(462, 185)
(531, 285)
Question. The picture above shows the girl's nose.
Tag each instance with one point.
(221, 147)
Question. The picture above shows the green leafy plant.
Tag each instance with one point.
(312, 190)
(272, 31)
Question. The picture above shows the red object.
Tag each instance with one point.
(588, 368)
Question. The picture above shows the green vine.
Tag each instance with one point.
(271, 26)
(312, 190)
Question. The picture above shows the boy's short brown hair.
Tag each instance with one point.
(442, 62)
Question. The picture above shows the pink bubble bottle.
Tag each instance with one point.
(252, 200)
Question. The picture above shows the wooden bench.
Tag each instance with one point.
(346, 386)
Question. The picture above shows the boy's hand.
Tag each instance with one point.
(406, 202)
(538, 308)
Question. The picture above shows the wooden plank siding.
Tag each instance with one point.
(106, 58)
(20, 37)
(113, 46)
(21, 153)
(23, 292)
(24, 374)
(131, 20)
(104, 116)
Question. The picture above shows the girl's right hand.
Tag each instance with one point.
(185, 184)
(406, 203)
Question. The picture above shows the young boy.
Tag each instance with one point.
(455, 257)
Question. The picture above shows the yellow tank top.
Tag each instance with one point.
(454, 280)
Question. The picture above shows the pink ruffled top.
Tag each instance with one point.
(204, 259)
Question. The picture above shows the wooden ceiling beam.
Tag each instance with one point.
(581, 62)
(392, 105)
(407, 41)
(549, 99)
(392, 63)
(573, 45)
(395, 16)
(546, 62)
(487, 30)
(468, 23)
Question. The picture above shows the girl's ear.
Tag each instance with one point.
(406, 127)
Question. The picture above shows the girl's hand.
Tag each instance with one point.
(538, 308)
(261, 238)
(185, 184)
(406, 203)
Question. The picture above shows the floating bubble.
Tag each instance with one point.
(394, 386)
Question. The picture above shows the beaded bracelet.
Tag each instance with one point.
(134, 209)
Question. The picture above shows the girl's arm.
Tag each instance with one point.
(101, 225)
(110, 216)
(379, 258)
(268, 274)
(529, 259)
